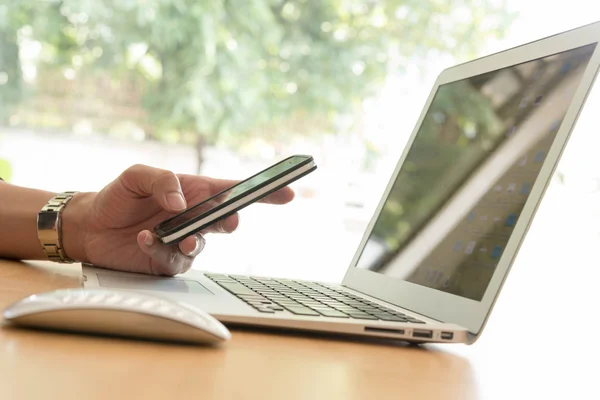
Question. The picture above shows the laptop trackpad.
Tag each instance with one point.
(143, 282)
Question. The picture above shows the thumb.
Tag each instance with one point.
(162, 185)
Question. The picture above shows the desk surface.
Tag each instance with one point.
(501, 365)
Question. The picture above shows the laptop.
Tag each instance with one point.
(449, 224)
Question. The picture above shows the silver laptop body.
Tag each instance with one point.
(440, 244)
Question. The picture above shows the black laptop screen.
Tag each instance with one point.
(469, 172)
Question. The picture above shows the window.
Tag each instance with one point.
(226, 91)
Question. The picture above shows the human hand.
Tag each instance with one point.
(112, 228)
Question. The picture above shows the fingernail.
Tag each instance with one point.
(149, 239)
(176, 201)
(200, 242)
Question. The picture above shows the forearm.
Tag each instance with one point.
(19, 208)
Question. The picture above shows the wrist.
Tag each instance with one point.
(75, 226)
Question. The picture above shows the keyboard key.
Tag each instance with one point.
(347, 310)
(322, 307)
(354, 303)
(260, 302)
(300, 299)
(277, 298)
(250, 296)
(367, 310)
(381, 315)
(288, 301)
(374, 305)
(213, 275)
(329, 299)
(362, 316)
(265, 310)
(302, 311)
(333, 313)
(366, 306)
(393, 318)
(241, 277)
(312, 304)
(236, 288)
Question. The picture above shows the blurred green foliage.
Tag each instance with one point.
(218, 69)
(438, 163)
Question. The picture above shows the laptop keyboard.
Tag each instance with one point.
(272, 296)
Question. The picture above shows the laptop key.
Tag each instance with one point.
(320, 307)
(266, 310)
(302, 311)
(251, 297)
(333, 313)
(368, 310)
(288, 305)
(362, 316)
(297, 305)
(393, 318)
(314, 304)
(347, 310)
(381, 315)
(236, 288)
(277, 298)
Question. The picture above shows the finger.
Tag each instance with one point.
(193, 245)
(164, 260)
(281, 196)
(163, 185)
(227, 225)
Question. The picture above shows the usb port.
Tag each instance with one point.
(447, 335)
(420, 333)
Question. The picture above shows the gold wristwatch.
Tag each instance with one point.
(49, 224)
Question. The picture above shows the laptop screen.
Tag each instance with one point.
(469, 172)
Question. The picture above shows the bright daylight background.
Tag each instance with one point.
(356, 150)
(106, 84)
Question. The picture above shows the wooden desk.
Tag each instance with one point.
(268, 366)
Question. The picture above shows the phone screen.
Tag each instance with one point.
(239, 190)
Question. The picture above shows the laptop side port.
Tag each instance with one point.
(421, 333)
(384, 330)
(447, 335)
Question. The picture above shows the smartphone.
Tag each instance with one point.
(234, 198)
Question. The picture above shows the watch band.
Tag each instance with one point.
(49, 224)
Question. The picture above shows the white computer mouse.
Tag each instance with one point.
(117, 312)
